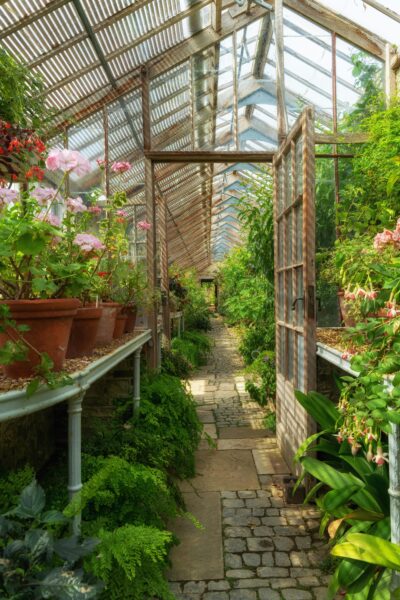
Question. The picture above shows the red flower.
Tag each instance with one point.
(102, 273)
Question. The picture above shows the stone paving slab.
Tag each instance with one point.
(199, 554)
(223, 470)
(211, 430)
(232, 433)
(206, 416)
(270, 462)
(246, 444)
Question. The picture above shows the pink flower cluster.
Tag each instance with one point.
(388, 238)
(75, 205)
(369, 438)
(49, 218)
(88, 242)
(360, 293)
(120, 167)
(69, 161)
(7, 196)
(95, 210)
(43, 195)
(144, 225)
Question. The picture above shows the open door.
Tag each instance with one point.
(294, 216)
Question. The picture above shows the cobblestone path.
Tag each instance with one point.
(253, 546)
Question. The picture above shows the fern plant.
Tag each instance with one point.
(131, 561)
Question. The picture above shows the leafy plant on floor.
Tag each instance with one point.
(193, 346)
(132, 560)
(11, 484)
(37, 563)
(193, 298)
(356, 501)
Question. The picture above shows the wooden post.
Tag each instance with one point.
(150, 203)
(235, 93)
(164, 269)
(280, 72)
(106, 153)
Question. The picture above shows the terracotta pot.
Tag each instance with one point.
(84, 331)
(50, 323)
(107, 323)
(347, 321)
(130, 313)
(120, 324)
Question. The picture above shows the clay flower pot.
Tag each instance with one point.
(130, 312)
(106, 325)
(84, 331)
(120, 324)
(50, 323)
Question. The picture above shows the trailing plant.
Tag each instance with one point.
(132, 560)
(261, 380)
(35, 561)
(192, 346)
(175, 363)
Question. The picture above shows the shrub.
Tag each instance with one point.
(12, 484)
(193, 346)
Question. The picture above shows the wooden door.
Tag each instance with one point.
(294, 216)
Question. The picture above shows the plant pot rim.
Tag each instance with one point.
(44, 302)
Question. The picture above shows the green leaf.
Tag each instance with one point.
(31, 501)
(32, 387)
(336, 498)
(72, 549)
(370, 549)
(393, 417)
(305, 445)
(349, 571)
(30, 245)
(330, 476)
(320, 408)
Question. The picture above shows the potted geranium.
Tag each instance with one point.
(45, 266)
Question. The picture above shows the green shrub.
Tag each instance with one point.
(193, 346)
(175, 363)
(131, 561)
(119, 492)
(261, 383)
(166, 430)
(12, 484)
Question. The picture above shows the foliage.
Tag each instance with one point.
(120, 492)
(21, 94)
(261, 381)
(35, 562)
(131, 561)
(12, 484)
(175, 363)
(195, 308)
(166, 430)
(357, 498)
(193, 346)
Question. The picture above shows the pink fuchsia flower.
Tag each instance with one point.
(355, 447)
(381, 457)
(369, 455)
(390, 305)
(122, 213)
(360, 293)
(7, 196)
(339, 437)
(371, 436)
(372, 295)
(144, 225)
(120, 167)
(75, 205)
(49, 218)
(88, 242)
(383, 239)
(392, 313)
(43, 195)
(349, 296)
(347, 356)
(95, 210)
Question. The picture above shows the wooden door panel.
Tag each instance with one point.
(294, 215)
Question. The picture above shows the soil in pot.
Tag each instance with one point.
(84, 331)
(120, 324)
(130, 313)
(107, 320)
(50, 323)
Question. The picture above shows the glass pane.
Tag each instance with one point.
(289, 238)
(299, 233)
(280, 243)
(289, 296)
(282, 350)
(280, 189)
(290, 355)
(288, 173)
(281, 305)
(299, 167)
(300, 363)
(300, 294)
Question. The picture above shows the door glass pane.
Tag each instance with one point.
(281, 300)
(300, 363)
(280, 189)
(289, 297)
(288, 172)
(282, 350)
(299, 233)
(280, 243)
(299, 167)
(290, 355)
(289, 238)
(300, 294)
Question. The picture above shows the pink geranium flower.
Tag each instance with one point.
(120, 167)
(43, 195)
(144, 225)
(75, 205)
(88, 242)
(122, 213)
(83, 166)
(47, 217)
(7, 196)
(95, 210)
(68, 161)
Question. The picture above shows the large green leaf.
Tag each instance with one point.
(305, 445)
(30, 244)
(350, 571)
(370, 549)
(31, 501)
(320, 408)
(330, 476)
(336, 498)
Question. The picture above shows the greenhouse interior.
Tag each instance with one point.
(200, 299)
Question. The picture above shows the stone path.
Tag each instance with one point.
(252, 546)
